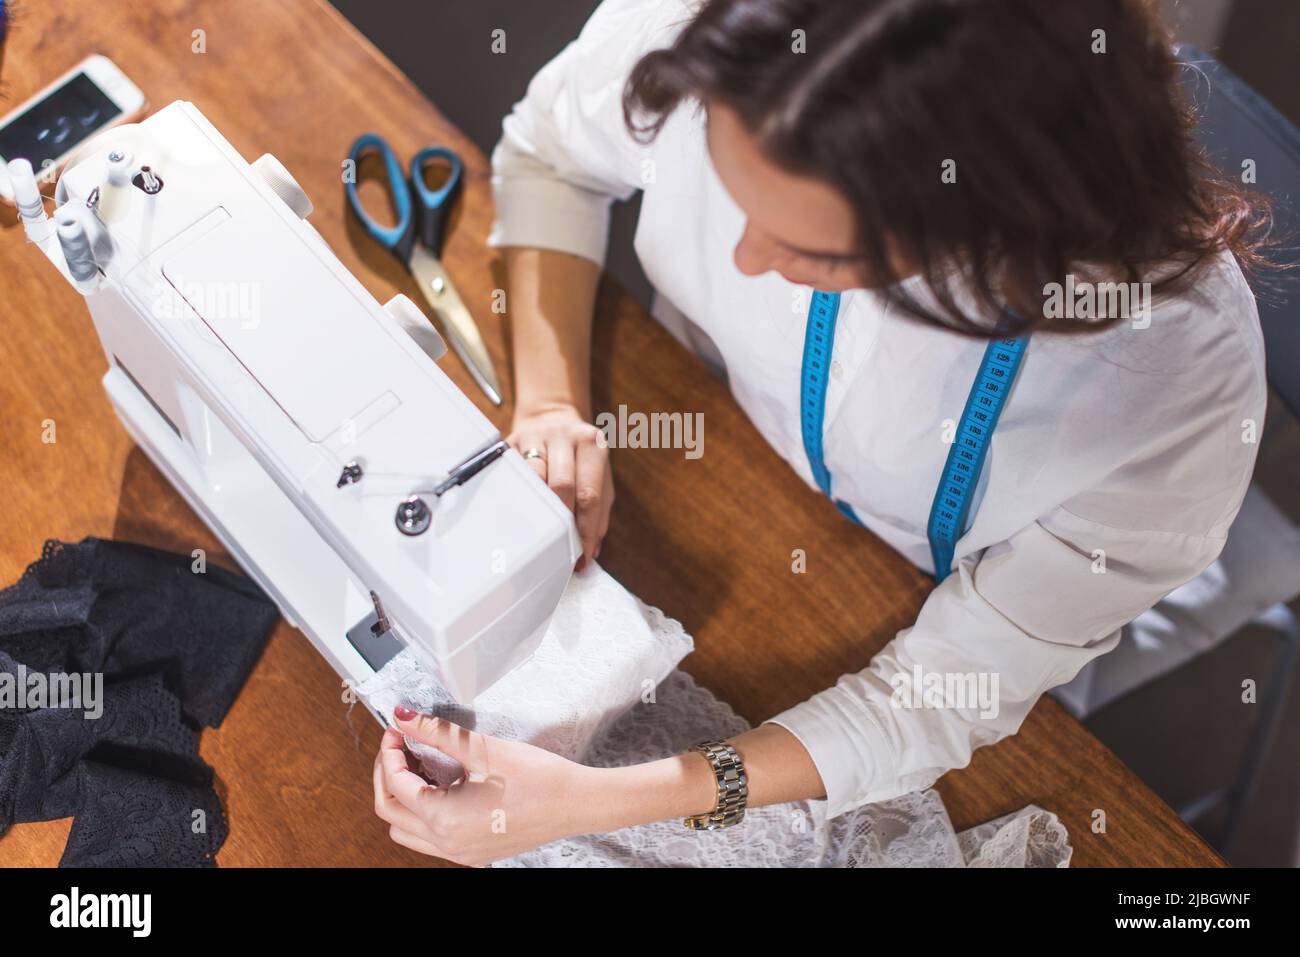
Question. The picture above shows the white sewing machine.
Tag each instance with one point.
(304, 422)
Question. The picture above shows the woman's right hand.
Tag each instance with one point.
(574, 462)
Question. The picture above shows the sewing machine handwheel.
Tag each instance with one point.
(283, 184)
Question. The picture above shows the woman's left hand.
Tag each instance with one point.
(513, 798)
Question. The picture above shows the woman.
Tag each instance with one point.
(955, 170)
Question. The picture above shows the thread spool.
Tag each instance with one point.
(76, 247)
(27, 195)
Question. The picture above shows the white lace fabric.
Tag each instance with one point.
(604, 689)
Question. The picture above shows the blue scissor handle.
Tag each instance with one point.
(435, 204)
(400, 238)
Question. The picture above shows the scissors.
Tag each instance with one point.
(416, 240)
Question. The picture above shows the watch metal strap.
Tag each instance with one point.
(733, 788)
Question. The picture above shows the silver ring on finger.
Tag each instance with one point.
(534, 453)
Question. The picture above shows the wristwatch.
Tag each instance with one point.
(733, 788)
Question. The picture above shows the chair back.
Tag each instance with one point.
(1238, 125)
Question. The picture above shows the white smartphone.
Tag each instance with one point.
(92, 96)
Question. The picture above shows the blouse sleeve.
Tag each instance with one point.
(565, 152)
(1003, 628)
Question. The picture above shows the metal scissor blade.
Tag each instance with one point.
(456, 320)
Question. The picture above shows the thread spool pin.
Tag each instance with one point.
(148, 180)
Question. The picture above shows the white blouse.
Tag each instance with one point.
(1117, 468)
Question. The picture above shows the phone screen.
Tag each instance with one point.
(56, 124)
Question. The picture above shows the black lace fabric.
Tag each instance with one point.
(174, 646)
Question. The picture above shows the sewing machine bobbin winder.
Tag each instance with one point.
(307, 424)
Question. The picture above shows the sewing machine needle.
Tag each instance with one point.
(457, 322)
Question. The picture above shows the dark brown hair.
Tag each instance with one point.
(1063, 155)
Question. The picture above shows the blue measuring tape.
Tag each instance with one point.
(961, 472)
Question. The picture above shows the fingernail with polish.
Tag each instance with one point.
(403, 714)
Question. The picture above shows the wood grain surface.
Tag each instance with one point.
(709, 540)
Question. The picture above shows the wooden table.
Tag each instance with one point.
(709, 541)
